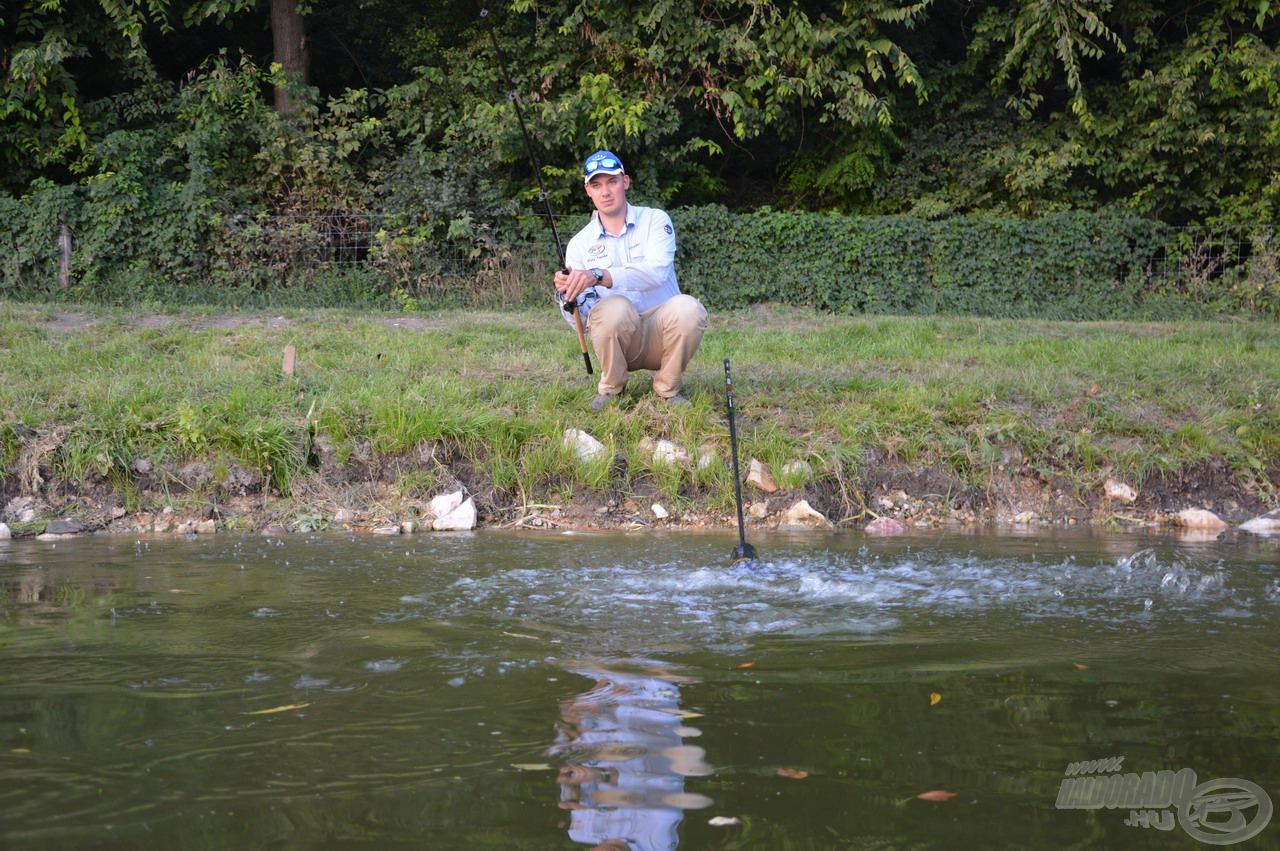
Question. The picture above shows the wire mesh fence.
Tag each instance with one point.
(485, 265)
(1204, 264)
(1195, 259)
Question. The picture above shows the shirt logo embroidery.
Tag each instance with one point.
(668, 229)
(596, 251)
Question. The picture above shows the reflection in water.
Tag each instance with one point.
(625, 759)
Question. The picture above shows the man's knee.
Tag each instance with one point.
(686, 314)
(613, 313)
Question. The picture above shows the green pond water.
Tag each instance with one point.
(545, 690)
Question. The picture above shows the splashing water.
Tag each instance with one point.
(857, 592)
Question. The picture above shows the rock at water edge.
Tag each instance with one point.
(886, 526)
(461, 519)
(1264, 524)
(446, 503)
(802, 515)
(1198, 518)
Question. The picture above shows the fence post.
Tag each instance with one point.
(64, 244)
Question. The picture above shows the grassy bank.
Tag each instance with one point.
(985, 417)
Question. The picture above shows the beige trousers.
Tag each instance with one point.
(663, 339)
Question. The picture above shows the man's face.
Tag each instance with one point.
(609, 192)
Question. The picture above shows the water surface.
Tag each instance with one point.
(553, 690)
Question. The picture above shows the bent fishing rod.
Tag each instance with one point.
(743, 551)
(569, 306)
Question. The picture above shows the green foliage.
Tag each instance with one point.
(1068, 265)
(178, 185)
(1171, 107)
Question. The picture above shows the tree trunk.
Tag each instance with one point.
(289, 40)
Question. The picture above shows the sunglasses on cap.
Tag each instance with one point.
(602, 163)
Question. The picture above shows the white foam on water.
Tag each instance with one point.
(853, 593)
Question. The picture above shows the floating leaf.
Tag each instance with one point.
(934, 698)
(21, 750)
(746, 665)
(520, 635)
(532, 766)
(679, 713)
(936, 795)
(793, 773)
(723, 821)
(1080, 667)
(275, 709)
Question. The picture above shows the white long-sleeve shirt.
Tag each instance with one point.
(641, 261)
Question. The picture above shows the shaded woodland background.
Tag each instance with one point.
(217, 137)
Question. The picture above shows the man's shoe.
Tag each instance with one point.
(598, 403)
(678, 401)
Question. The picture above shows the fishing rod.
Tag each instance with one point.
(743, 551)
(543, 195)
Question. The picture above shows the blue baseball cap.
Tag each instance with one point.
(601, 162)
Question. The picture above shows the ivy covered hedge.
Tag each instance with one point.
(1075, 265)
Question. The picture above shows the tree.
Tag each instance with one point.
(292, 52)
(1170, 109)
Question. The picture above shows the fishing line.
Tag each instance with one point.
(743, 551)
(543, 195)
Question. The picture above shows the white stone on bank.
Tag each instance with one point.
(1118, 491)
(663, 451)
(461, 519)
(802, 515)
(1264, 524)
(1198, 518)
(800, 472)
(584, 445)
(446, 503)
(759, 476)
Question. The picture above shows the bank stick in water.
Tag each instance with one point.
(743, 551)
(569, 306)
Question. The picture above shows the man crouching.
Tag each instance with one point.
(622, 276)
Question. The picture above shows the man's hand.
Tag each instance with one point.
(576, 281)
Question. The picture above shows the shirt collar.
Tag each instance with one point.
(629, 222)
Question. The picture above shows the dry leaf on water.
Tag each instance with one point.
(279, 709)
(793, 773)
(936, 795)
(746, 664)
(1080, 667)
(934, 698)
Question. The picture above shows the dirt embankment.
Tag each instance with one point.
(370, 493)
